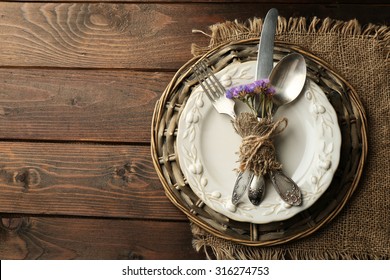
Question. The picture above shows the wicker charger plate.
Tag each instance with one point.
(352, 122)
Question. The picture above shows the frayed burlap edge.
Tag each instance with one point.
(221, 250)
(222, 33)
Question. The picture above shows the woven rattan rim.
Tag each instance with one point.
(352, 122)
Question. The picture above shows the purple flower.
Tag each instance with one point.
(247, 93)
(238, 92)
(263, 87)
(260, 83)
(252, 86)
(271, 90)
(229, 93)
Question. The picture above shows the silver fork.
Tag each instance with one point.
(214, 90)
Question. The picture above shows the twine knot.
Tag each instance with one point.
(257, 151)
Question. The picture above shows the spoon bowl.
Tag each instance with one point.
(288, 78)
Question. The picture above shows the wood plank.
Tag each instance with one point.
(82, 180)
(94, 35)
(77, 105)
(324, 2)
(152, 36)
(46, 238)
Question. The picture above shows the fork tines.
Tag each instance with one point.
(213, 89)
(207, 80)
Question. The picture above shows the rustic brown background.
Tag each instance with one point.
(78, 85)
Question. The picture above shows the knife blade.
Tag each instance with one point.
(265, 52)
(266, 45)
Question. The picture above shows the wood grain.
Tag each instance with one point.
(78, 105)
(323, 2)
(82, 180)
(133, 36)
(94, 35)
(78, 84)
(77, 238)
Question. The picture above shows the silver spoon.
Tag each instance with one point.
(288, 78)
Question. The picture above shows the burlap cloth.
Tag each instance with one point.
(361, 55)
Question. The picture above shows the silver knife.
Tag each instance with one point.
(265, 61)
(264, 67)
(285, 187)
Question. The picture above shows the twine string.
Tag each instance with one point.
(257, 151)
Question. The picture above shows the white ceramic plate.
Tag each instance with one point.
(207, 145)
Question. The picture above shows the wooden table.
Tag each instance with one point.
(78, 85)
